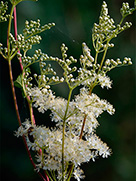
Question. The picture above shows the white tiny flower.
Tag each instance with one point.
(104, 81)
(78, 174)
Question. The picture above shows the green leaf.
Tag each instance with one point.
(18, 82)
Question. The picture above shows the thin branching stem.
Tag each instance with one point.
(63, 133)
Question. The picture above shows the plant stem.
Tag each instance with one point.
(28, 100)
(104, 55)
(83, 125)
(90, 91)
(31, 111)
(46, 176)
(21, 66)
(18, 117)
(49, 177)
(13, 91)
(15, 32)
(70, 172)
(10, 68)
(63, 133)
(30, 157)
(9, 29)
(81, 134)
(96, 55)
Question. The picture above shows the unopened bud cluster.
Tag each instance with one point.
(3, 9)
(26, 40)
(125, 10)
(3, 50)
(106, 29)
(65, 63)
(30, 35)
(103, 31)
(111, 63)
(34, 27)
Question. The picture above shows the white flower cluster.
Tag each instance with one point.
(91, 103)
(43, 98)
(87, 104)
(88, 72)
(77, 151)
(104, 81)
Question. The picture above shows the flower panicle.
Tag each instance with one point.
(73, 140)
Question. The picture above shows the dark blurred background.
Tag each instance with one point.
(74, 21)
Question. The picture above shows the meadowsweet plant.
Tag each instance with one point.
(60, 150)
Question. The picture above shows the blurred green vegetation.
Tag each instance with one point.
(74, 22)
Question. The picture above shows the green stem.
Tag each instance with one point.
(70, 172)
(96, 56)
(3, 56)
(28, 100)
(104, 55)
(49, 175)
(31, 111)
(13, 92)
(63, 133)
(34, 34)
(8, 32)
(53, 175)
(10, 67)
(121, 20)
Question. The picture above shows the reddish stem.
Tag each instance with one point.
(21, 66)
(15, 32)
(30, 157)
(47, 178)
(20, 60)
(83, 125)
(82, 129)
(13, 92)
(18, 117)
